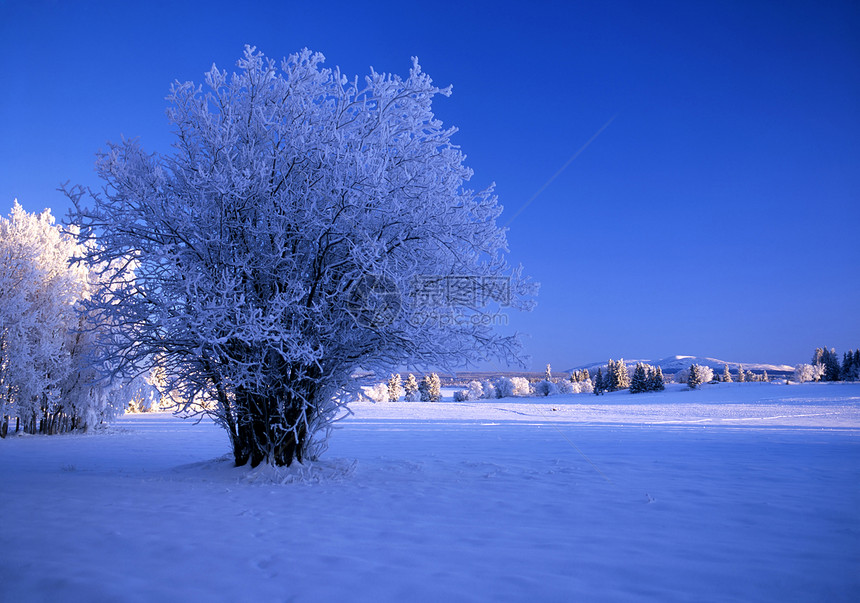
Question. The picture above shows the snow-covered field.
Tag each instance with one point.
(737, 492)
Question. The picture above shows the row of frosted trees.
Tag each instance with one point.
(49, 382)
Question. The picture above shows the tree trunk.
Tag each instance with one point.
(260, 431)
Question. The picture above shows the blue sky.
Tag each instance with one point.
(717, 214)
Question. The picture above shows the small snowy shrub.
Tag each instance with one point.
(586, 387)
(568, 387)
(504, 387)
(489, 389)
(546, 388)
(803, 373)
(377, 393)
(522, 387)
(476, 390)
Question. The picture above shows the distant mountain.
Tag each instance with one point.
(673, 364)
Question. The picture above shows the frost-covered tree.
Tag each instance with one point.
(741, 376)
(410, 388)
(547, 375)
(727, 376)
(278, 246)
(395, 387)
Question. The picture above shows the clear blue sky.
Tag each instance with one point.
(717, 214)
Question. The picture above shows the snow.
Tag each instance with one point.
(732, 492)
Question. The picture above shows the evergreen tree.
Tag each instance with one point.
(764, 377)
(424, 388)
(854, 365)
(394, 387)
(548, 373)
(727, 376)
(657, 383)
(741, 376)
(831, 365)
(616, 375)
(818, 356)
(640, 379)
(584, 376)
(410, 388)
(695, 378)
(598, 383)
(435, 388)
(623, 378)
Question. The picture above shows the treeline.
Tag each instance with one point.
(646, 378)
(50, 381)
(825, 366)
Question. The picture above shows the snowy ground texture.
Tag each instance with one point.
(737, 492)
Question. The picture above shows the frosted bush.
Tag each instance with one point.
(566, 387)
(586, 387)
(522, 387)
(476, 390)
(489, 389)
(803, 373)
(546, 388)
(504, 387)
(377, 393)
